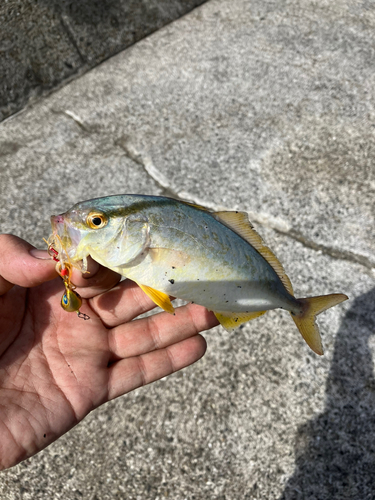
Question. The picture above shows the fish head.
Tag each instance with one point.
(108, 229)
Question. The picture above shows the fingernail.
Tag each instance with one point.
(39, 254)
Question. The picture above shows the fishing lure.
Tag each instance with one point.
(71, 301)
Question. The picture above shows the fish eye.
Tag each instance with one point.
(96, 220)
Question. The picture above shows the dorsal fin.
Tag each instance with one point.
(240, 224)
(196, 205)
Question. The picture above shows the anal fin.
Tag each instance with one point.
(161, 299)
(232, 320)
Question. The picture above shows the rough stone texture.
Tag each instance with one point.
(45, 42)
(262, 106)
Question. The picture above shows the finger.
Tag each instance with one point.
(22, 264)
(121, 304)
(129, 374)
(159, 331)
(5, 285)
(96, 280)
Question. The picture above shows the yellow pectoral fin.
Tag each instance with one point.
(233, 320)
(161, 299)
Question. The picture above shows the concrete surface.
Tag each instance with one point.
(262, 106)
(45, 42)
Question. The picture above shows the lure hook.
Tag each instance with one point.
(71, 301)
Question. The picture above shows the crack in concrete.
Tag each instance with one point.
(73, 116)
(77, 119)
(277, 224)
(70, 34)
(146, 163)
(331, 251)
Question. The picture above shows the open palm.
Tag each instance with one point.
(55, 367)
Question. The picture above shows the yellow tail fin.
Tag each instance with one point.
(306, 320)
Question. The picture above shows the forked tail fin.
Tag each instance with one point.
(305, 321)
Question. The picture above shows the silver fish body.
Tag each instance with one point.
(181, 250)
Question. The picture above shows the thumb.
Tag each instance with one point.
(22, 264)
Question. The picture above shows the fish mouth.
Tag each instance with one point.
(68, 236)
(56, 220)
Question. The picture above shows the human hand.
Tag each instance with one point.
(55, 367)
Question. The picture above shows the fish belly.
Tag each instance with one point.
(216, 287)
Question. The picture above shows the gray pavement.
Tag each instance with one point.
(266, 107)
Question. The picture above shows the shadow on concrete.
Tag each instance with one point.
(96, 12)
(335, 453)
(45, 42)
(85, 11)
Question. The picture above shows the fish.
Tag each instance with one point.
(173, 248)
